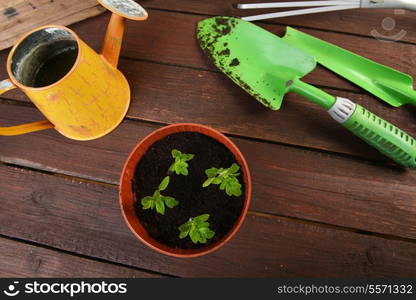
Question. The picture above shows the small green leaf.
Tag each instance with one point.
(183, 234)
(197, 229)
(226, 178)
(164, 184)
(187, 157)
(232, 187)
(185, 227)
(234, 168)
(211, 172)
(195, 235)
(237, 192)
(147, 202)
(160, 206)
(205, 231)
(180, 166)
(203, 224)
(209, 234)
(156, 194)
(172, 168)
(208, 182)
(202, 239)
(216, 181)
(223, 185)
(201, 218)
(170, 202)
(184, 170)
(175, 153)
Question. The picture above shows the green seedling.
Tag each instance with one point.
(226, 178)
(180, 166)
(158, 201)
(197, 228)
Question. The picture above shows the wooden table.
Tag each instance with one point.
(324, 203)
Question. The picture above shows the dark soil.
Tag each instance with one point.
(234, 62)
(194, 200)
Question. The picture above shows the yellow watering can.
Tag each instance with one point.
(81, 93)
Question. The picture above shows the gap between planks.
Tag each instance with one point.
(150, 61)
(250, 212)
(281, 24)
(83, 256)
(386, 163)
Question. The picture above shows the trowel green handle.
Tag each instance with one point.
(384, 136)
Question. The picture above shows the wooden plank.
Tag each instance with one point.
(21, 16)
(84, 218)
(210, 98)
(298, 123)
(287, 181)
(210, 102)
(155, 43)
(24, 260)
(365, 22)
(52, 152)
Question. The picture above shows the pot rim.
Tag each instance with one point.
(127, 198)
(24, 37)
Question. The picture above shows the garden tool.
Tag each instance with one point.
(81, 93)
(390, 85)
(322, 6)
(267, 67)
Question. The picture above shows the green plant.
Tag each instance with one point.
(157, 200)
(180, 166)
(226, 178)
(197, 228)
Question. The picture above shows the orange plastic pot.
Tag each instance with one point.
(127, 197)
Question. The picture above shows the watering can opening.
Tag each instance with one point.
(44, 57)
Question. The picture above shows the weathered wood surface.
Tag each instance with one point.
(365, 22)
(24, 260)
(299, 122)
(287, 181)
(20, 16)
(90, 223)
(324, 203)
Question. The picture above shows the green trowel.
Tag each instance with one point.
(267, 67)
(390, 85)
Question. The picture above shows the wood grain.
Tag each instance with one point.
(24, 260)
(20, 16)
(364, 22)
(84, 217)
(299, 122)
(152, 40)
(286, 181)
(299, 194)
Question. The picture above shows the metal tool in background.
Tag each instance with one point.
(267, 67)
(390, 85)
(322, 6)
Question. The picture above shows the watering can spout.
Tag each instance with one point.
(113, 39)
(121, 9)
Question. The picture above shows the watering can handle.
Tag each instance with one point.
(7, 85)
(382, 135)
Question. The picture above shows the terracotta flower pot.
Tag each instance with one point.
(127, 198)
